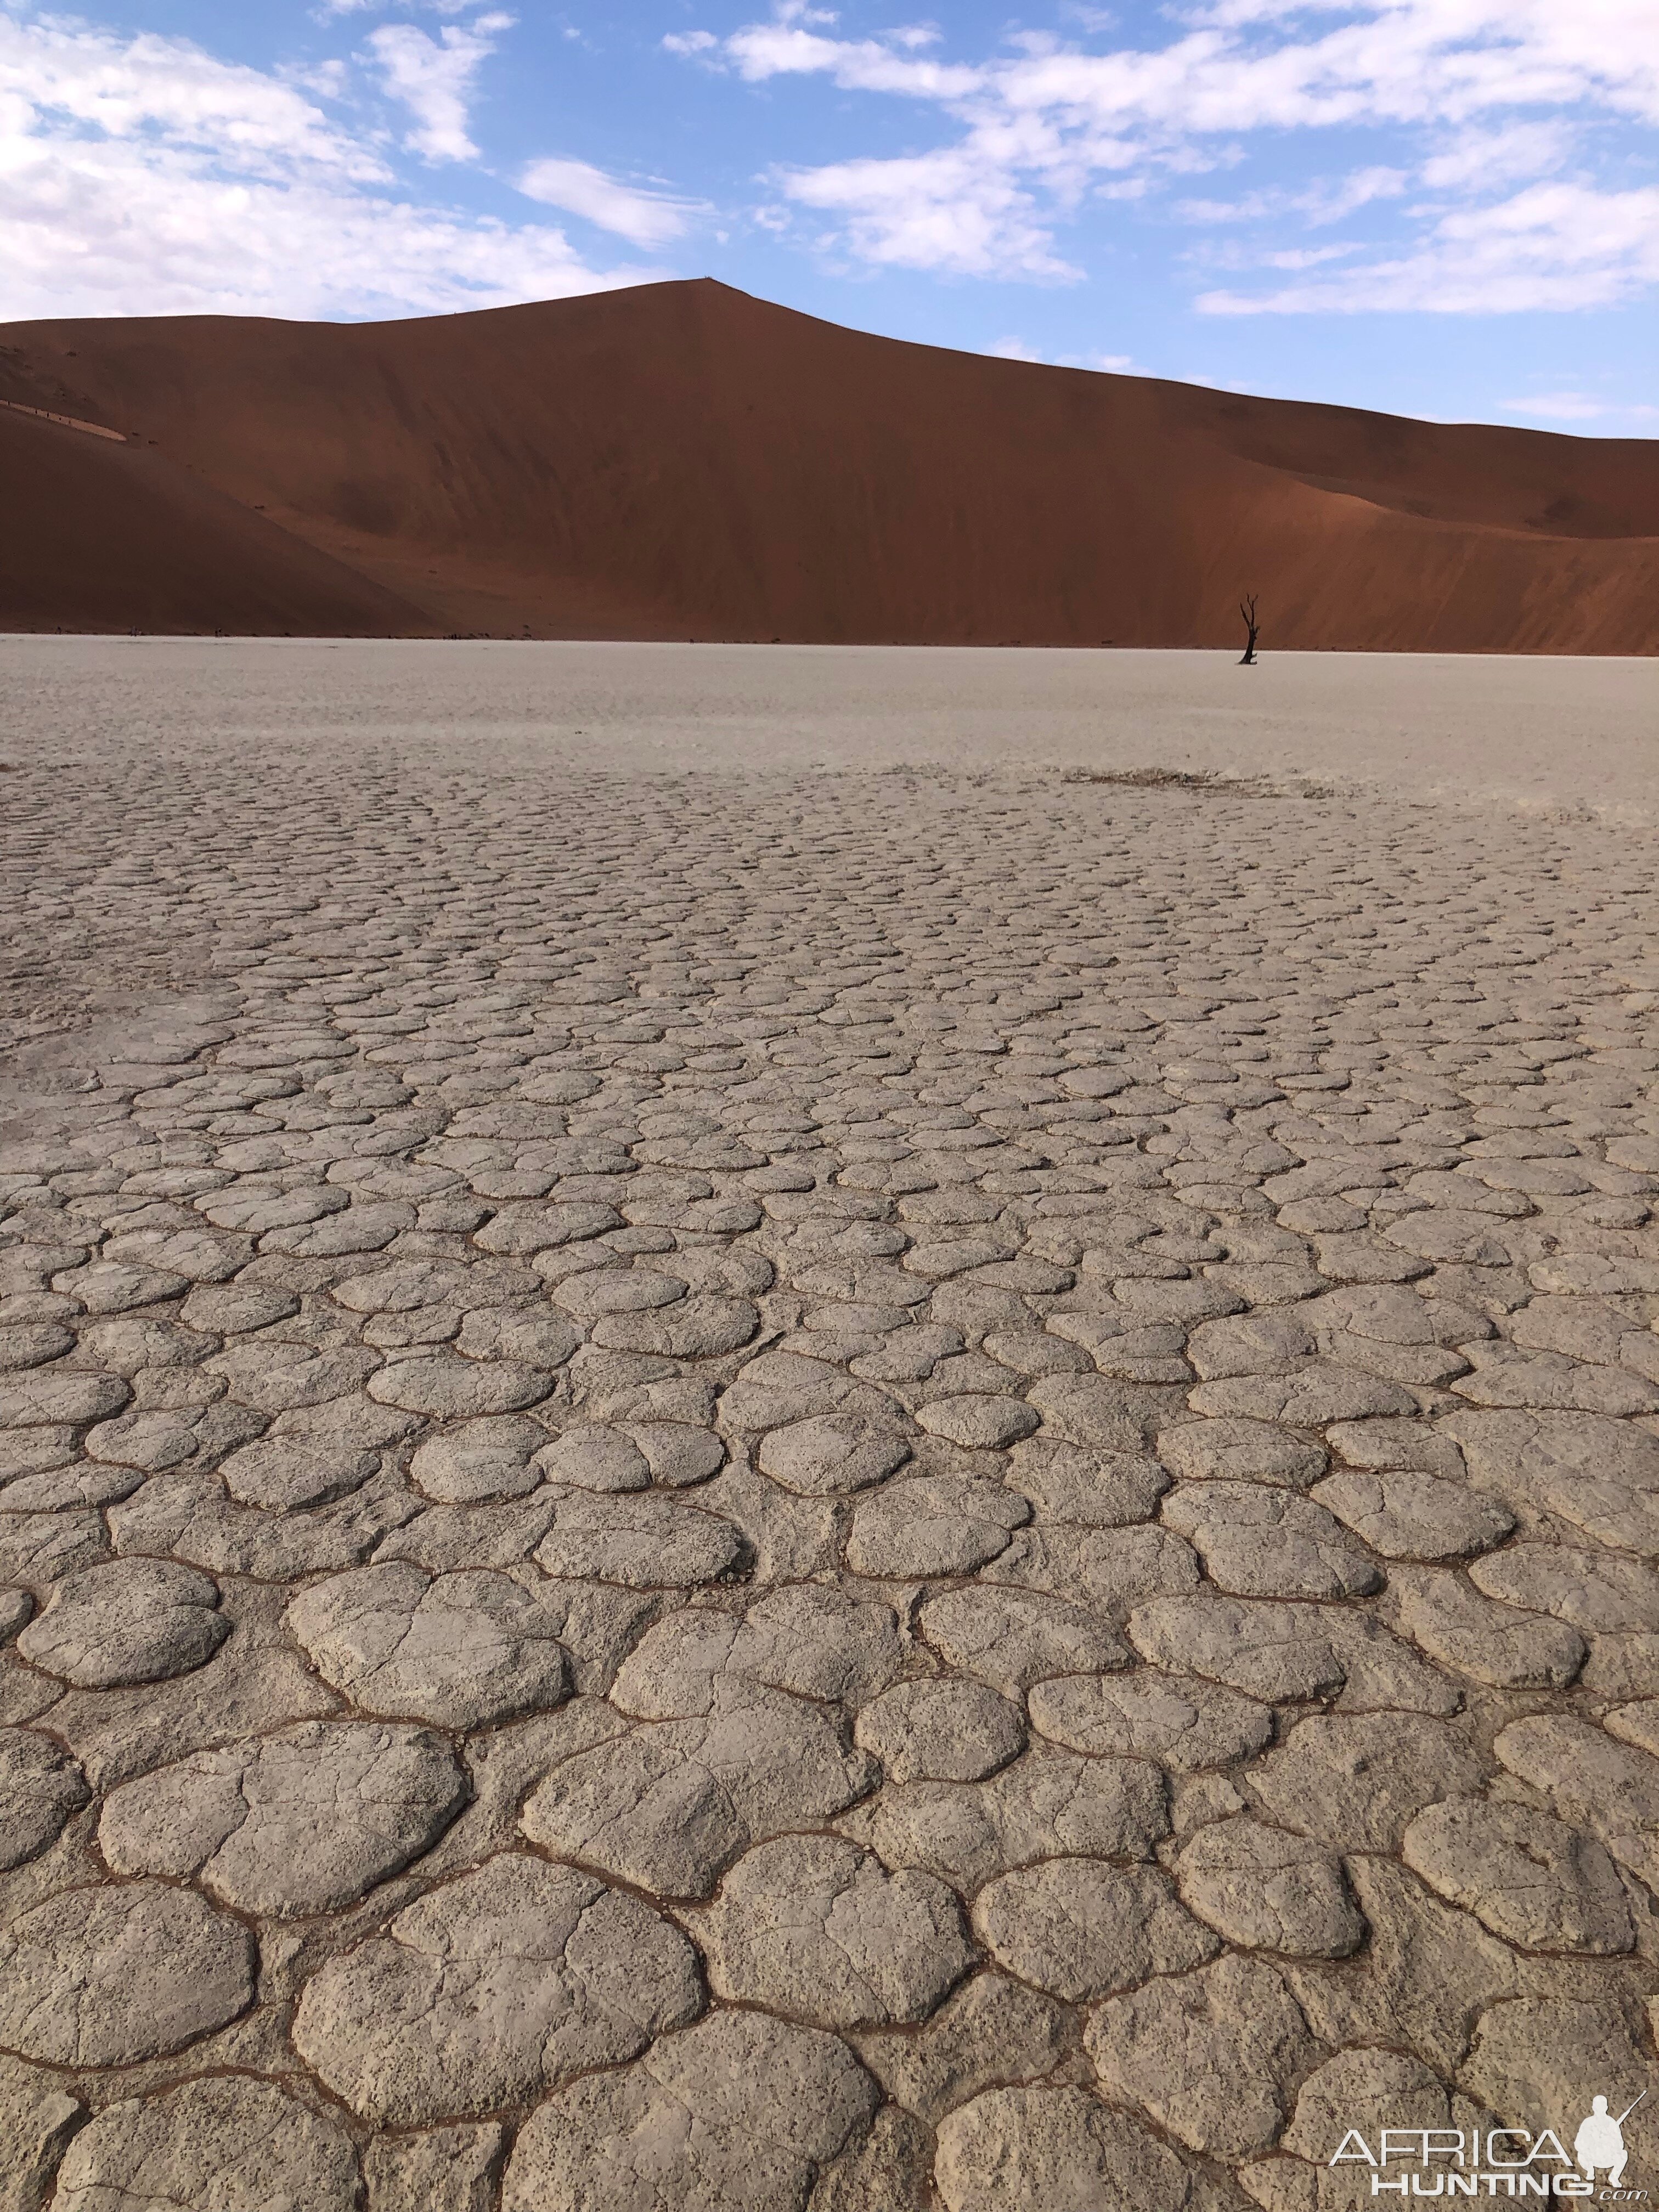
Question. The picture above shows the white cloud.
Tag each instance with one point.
(432, 78)
(1110, 364)
(784, 49)
(1559, 407)
(82, 81)
(1333, 203)
(1486, 160)
(1251, 207)
(142, 176)
(108, 231)
(1320, 202)
(646, 218)
(1303, 256)
(1577, 407)
(1559, 246)
(329, 7)
(945, 211)
(1491, 95)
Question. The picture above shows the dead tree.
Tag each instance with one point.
(1247, 611)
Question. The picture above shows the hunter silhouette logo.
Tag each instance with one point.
(1498, 2161)
(1600, 2142)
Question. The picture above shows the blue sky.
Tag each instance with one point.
(1444, 208)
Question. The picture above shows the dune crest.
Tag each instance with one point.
(684, 461)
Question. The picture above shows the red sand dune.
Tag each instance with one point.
(103, 537)
(682, 460)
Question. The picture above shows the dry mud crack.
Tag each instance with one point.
(814, 1491)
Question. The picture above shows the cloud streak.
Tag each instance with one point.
(1555, 247)
(1495, 101)
(434, 79)
(644, 216)
(141, 175)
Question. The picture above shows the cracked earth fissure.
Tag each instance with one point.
(853, 1490)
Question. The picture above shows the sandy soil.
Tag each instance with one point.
(105, 536)
(1569, 735)
(680, 460)
(773, 1387)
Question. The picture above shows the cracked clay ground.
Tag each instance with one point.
(757, 1484)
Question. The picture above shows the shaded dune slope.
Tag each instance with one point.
(681, 460)
(104, 537)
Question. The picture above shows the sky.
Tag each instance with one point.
(1441, 208)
